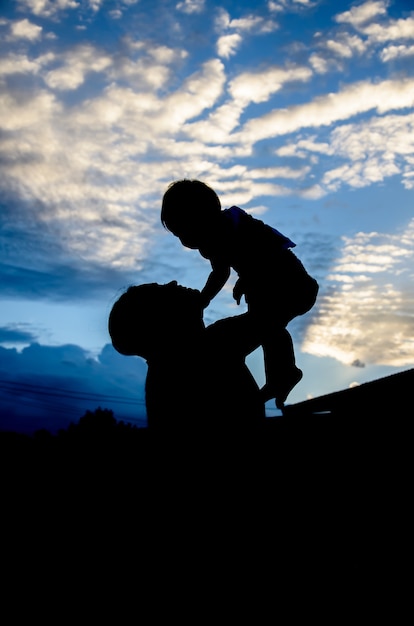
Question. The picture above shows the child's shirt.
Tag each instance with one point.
(246, 244)
(239, 219)
(261, 257)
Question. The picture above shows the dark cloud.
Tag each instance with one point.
(35, 262)
(12, 334)
(358, 363)
(317, 252)
(59, 282)
(51, 386)
(35, 265)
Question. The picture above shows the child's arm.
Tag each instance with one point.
(215, 282)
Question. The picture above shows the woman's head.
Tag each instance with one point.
(127, 320)
(147, 318)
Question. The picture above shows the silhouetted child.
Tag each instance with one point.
(275, 284)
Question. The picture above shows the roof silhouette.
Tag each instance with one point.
(382, 397)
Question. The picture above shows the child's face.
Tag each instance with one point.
(189, 237)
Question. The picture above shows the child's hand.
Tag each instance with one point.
(238, 291)
(204, 301)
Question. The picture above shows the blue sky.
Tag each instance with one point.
(299, 111)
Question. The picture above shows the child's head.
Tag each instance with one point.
(190, 210)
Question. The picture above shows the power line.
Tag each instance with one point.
(18, 388)
(40, 403)
(42, 398)
(30, 390)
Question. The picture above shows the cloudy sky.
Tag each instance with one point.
(299, 111)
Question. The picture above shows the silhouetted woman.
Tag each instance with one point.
(197, 376)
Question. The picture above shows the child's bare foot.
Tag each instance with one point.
(282, 389)
(267, 392)
(286, 387)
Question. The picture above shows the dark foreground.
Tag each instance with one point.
(340, 439)
(290, 466)
(320, 501)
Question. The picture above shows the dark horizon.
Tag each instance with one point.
(384, 396)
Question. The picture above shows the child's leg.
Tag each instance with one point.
(280, 366)
(271, 319)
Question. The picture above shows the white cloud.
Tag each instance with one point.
(146, 67)
(249, 23)
(116, 14)
(319, 62)
(80, 179)
(408, 178)
(218, 125)
(379, 32)
(163, 54)
(222, 20)
(23, 29)
(312, 192)
(333, 49)
(95, 5)
(47, 8)
(243, 191)
(246, 24)
(229, 42)
(241, 185)
(369, 310)
(346, 45)
(136, 134)
(109, 132)
(140, 74)
(339, 48)
(227, 45)
(244, 89)
(276, 172)
(394, 30)
(325, 110)
(363, 13)
(368, 151)
(372, 150)
(198, 93)
(278, 6)
(191, 6)
(391, 53)
(23, 114)
(21, 64)
(96, 192)
(359, 174)
(76, 65)
(303, 146)
(259, 86)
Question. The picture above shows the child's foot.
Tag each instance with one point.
(282, 389)
(267, 392)
(286, 387)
